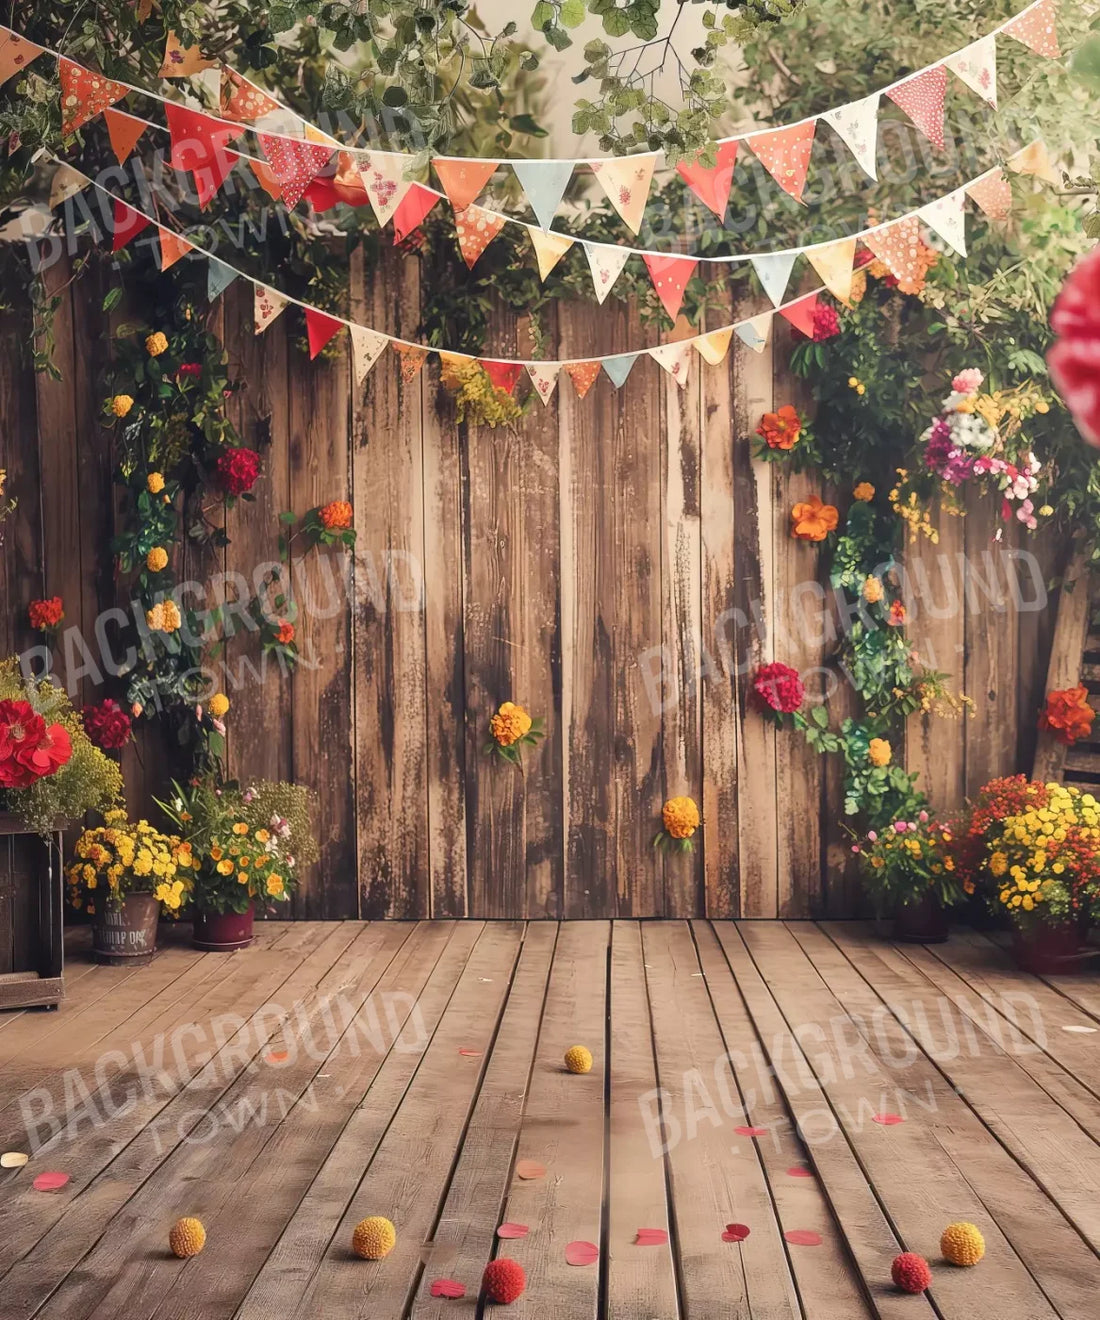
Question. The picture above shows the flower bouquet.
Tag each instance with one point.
(909, 873)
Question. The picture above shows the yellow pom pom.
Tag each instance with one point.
(962, 1244)
(121, 404)
(187, 1238)
(578, 1059)
(373, 1238)
(219, 705)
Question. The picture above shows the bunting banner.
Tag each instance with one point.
(503, 375)
(383, 176)
(1033, 159)
(294, 164)
(243, 101)
(476, 228)
(15, 54)
(124, 131)
(670, 276)
(84, 95)
(976, 66)
(618, 368)
(267, 305)
(712, 348)
(65, 183)
(992, 194)
(675, 359)
(785, 154)
(898, 247)
(544, 377)
(712, 184)
(1037, 28)
(922, 99)
(606, 265)
(219, 277)
(463, 180)
(320, 328)
(800, 313)
(947, 217)
(172, 248)
(773, 270)
(544, 182)
(367, 346)
(412, 359)
(626, 182)
(180, 62)
(128, 223)
(583, 375)
(755, 332)
(411, 211)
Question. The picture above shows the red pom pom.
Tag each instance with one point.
(503, 1280)
(910, 1272)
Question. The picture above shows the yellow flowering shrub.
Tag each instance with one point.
(477, 400)
(123, 857)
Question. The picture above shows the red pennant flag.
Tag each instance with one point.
(712, 184)
(414, 206)
(503, 374)
(128, 224)
(295, 164)
(801, 314)
(242, 100)
(785, 154)
(320, 329)
(670, 276)
(321, 195)
(1037, 28)
(463, 180)
(172, 247)
(124, 131)
(583, 375)
(199, 146)
(922, 100)
(84, 94)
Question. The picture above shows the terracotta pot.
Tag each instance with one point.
(924, 922)
(1047, 950)
(126, 935)
(222, 932)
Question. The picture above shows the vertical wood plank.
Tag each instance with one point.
(21, 555)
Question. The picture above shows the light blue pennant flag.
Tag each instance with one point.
(544, 182)
(754, 333)
(773, 270)
(618, 368)
(219, 277)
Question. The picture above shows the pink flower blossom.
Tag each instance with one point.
(872, 836)
(900, 827)
(968, 381)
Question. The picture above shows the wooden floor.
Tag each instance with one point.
(336, 1071)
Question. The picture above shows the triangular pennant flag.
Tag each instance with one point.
(84, 94)
(834, 264)
(243, 101)
(476, 228)
(1037, 28)
(266, 306)
(583, 375)
(181, 63)
(675, 359)
(172, 247)
(66, 183)
(857, 127)
(367, 347)
(463, 179)
(754, 333)
(412, 209)
(626, 182)
(618, 368)
(1033, 159)
(670, 276)
(199, 145)
(264, 177)
(801, 314)
(544, 182)
(314, 134)
(544, 377)
(976, 66)
(502, 374)
(320, 328)
(921, 97)
(219, 277)
(295, 164)
(128, 224)
(947, 217)
(898, 247)
(412, 359)
(993, 194)
(549, 249)
(606, 264)
(785, 154)
(124, 131)
(713, 348)
(773, 270)
(16, 53)
(712, 183)
(383, 176)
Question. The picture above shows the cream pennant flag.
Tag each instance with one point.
(549, 249)
(857, 127)
(834, 264)
(367, 347)
(773, 270)
(66, 183)
(383, 175)
(713, 348)
(754, 333)
(947, 217)
(976, 66)
(544, 377)
(1033, 159)
(606, 264)
(267, 305)
(626, 182)
(675, 359)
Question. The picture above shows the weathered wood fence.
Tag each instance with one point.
(618, 564)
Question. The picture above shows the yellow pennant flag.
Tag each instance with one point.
(549, 249)
(713, 348)
(181, 63)
(834, 264)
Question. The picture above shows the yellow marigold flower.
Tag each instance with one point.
(681, 817)
(121, 404)
(262, 836)
(172, 619)
(873, 590)
(275, 885)
(156, 559)
(879, 752)
(156, 344)
(154, 617)
(225, 866)
(242, 877)
(998, 864)
(864, 492)
(219, 705)
(215, 853)
(240, 827)
(154, 483)
(510, 724)
(1045, 511)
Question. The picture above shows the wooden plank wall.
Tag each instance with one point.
(619, 564)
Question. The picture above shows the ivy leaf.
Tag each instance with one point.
(527, 124)
(572, 13)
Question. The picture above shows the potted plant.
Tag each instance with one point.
(248, 845)
(976, 824)
(124, 874)
(911, 877)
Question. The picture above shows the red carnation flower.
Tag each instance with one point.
(503, 1280)
(107, 725)
(189, 369)
(1074, 360)
(237, 470)
(28, 749)
(826, 322)
(779, 688)
(45, 615)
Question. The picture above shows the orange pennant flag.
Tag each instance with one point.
(172, 247)
(182, 63)
(462, 179)
(85, 94)
(712, 184)
(265, 177)
(16, 53)
(898, 246)
(993, 195)
(583, 375)
(412, 359)
(241, 100)
(785, 154)
(124, 131)
(1037, 28)
(476, 229)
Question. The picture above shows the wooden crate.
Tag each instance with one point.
(31, 933)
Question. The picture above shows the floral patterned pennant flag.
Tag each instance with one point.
(544, 182)
(626, 182)
(618, 368)
(463, 180)
(785, 154)
(754, 333)
(181, 63)
(898, 247)
(583, 375)
(243, 101)
(84, 94)
(670, 276)
(367, 347)
(1037, 28)
(295, 164)
(502, 374)
(993, 194)
(834, 264)
(16, 53)
(476, 228)
(857, 127)
(411, 210)
(921, 97)
(549, 249)
(713, 348)
(947, 217)
(124, 131)
(606, 264)
(801, 314)
(128, 224)
(172, 247)
(412, 359)
(712, 184)
(773, 270)
(544, 377)
(320, 328)
(266, 306)
(675, 359)
(976, 66)
(383, 175)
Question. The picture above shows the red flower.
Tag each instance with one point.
(107, 725)
(285, 632)
(28, 749)
(826, 322)
(778, 687)
(1074, 360)
(780, 429)
(193, 369)
(897, 616)
(237, 470)
(1068, 715)
(45, 614)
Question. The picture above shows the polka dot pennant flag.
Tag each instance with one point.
(801, 314)
(267, 305)
(367, 346)
(898, 247)
(412, 359)
(626, 182)
(670, 276)
(124, 131)
(993, 194)
(180, 62)
(857, 127)
(463, 180)
(128, 224)
(383, 176)
(242, 101)
(675, 359)
(544, 377)
(295, 164)
(785, 154)
(476, 228)
(754, 333)
(922, 100)
(320, 328)
(84, 94)
(606, 264)
(713, 348)
(947, 217)
(976, 66)
(583, 375)
(549, 249)
(502, 374)
(1037, 28)
(712, 183)
(16, 53)
(834, 264)
(415, 205)
(172, 248)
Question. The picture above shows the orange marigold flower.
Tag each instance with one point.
(121, 404)
(681, 817)
(156, 344)
(156, 559)
(1068, 715)
(285, 632)
(45, 614)
(879, 752)
(873, 590)
(813, 520)
(154, 483)
(510, 724)
(780, 430)
(336, 515)
(864, 492)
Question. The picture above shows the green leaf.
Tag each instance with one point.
(527, 124)
(572, 13)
